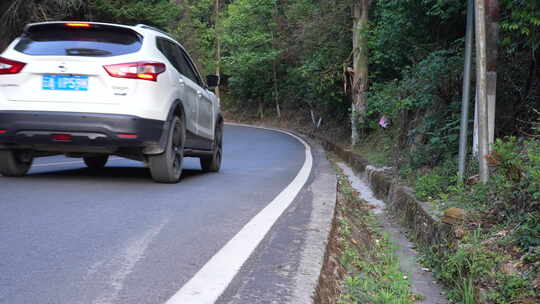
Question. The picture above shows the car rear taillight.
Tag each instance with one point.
(3, 131)
(61, 137)
(127, 136)
(136, 70)
(10, 66)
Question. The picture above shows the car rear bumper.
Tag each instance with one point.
(80, 132)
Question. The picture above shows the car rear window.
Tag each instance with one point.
(95, 41)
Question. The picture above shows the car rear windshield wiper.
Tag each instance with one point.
(86, 52)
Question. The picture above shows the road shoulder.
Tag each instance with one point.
(286, 266)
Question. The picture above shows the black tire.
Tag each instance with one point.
(96, 162)
(15, 163)
(213, 163)
(167, 166)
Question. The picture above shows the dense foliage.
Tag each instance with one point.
(160, 13)
(14, 14)
(303, 42)
(251, 41)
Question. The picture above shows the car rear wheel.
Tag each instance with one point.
(96, 162)
(167, 167)
(213, 163)
(15, 163)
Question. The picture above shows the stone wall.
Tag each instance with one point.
(401, 202)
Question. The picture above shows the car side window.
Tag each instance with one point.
(165, 47)
(172, 53)
(178, 58)
(192, 68)
(188, 70)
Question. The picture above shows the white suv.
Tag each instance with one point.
(91, 90)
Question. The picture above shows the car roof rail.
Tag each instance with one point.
(148, 27)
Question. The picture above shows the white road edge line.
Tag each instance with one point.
(215, 276)
(67, 163)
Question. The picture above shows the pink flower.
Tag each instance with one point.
(383, 122)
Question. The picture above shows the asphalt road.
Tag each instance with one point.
(69, 235)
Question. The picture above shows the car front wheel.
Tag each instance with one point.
(167, 166)
(15, 163)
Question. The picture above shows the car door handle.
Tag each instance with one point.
(181, 82)
(199, 94)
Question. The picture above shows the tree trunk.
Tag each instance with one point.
(261, 110)
(481, 80)
(360, 67)
(274, 68)
(218, 44)
(276, 92)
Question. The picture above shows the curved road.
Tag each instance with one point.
(69, 235)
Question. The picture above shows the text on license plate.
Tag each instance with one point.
(65, 83)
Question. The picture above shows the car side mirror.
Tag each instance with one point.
(212, 81)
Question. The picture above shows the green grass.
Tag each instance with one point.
(376, 148)
(376, 277)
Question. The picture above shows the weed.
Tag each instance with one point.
(511, 287)
(430, 185)
(344, 227)
(468, 291)
(380, 156)
(527, 235)
(373, 273)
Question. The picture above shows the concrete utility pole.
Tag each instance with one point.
(492, 44)
(466, 89)
(481, 79)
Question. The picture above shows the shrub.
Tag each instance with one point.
(515, 182)
(424, 107)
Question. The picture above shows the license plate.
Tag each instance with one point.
(65, 83)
